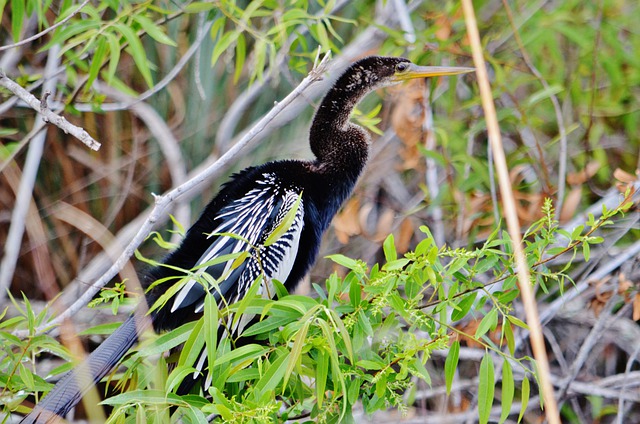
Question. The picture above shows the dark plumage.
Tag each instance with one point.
(252, 205)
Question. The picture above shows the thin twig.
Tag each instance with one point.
(47, 114)
(531, 311)
(43, 32)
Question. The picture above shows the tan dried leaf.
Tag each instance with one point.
(636, 307)
(571, 204)
(346, 223)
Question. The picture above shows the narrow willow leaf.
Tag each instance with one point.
(96, 61)
(152, 397)
(244, 303)
(485, 389)
(322, 371)
(114, 56)
(286, 223)
(199, 6)
(223, 43)
(268, 324)
(274, 375)
(17, 17)
(508, 334)
(489, 322)
(296, 350)
(211, 328)
(193, 346)
(241, 54)
(544, 94)
(168, 341)
(524, 396)
(451, 364)
(251, 351)
(137, 52)
(507, 390)
(344, 334)
(518, 322)
(154, 30)
(176, 377)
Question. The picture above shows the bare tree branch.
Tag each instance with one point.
(47, 114)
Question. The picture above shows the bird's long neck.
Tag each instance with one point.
(338, 144)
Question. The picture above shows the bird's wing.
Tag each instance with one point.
(244, 228)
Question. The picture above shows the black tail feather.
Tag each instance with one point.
(73, 385)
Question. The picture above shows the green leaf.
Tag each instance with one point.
(268, 324)
(464, 306)
(524, 397)
(485, 389)
(193, 346)
(101, 329)
(114, 56)
(274, 374)
(508, 334)
(489, 322)
(137, 52)
(322, 371)
(154, 30)
(389, 249)
(586, 251)
(396, 264)
(17, 17)
(152, 397)
(544, 94)
(96, 61)
(223, 43)
(517, 321)
(286, 223)
(344, 261)
(507, 390)
(250, 351)
(246, 300)
(451, 364)
(241, 55)
(176, 377)
(296, 350)
(199, 6)
(168, 341)
(370, 365)
(211, 326)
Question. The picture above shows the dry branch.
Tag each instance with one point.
(47, 114)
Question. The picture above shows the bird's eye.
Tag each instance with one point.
(401, 67)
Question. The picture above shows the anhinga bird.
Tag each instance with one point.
(251, 206)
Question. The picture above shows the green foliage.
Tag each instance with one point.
(363, 339)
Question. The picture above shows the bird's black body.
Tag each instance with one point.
(252, 204)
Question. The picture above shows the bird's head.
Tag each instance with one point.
(377, 71)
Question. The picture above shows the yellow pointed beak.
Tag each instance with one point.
(415, 71)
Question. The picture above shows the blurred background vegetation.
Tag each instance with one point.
(167, 87)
